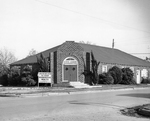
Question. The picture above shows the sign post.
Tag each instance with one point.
(44, 77)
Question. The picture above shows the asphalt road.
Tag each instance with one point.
(99, 106)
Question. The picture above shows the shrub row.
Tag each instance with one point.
(14, 78)
(115, 75)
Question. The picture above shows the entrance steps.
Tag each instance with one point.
(63, 84)
(79, 85)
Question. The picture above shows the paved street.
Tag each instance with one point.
(99, 106)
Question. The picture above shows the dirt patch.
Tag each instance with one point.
(136, 111)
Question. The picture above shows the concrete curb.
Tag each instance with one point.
(43, 94)
(10, 95)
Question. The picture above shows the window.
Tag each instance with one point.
(132, 68)
(122, 66)
(70, 59)
(144, 73)
(104, 68)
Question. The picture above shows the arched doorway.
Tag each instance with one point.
(70, 70)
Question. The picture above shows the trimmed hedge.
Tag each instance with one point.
(116, 73)
(145, 81)
(106, 78)
(127, 76)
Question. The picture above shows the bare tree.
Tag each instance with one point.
(87, 42)
(32, 52)
(6, 57)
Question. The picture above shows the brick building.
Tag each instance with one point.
(66, 61)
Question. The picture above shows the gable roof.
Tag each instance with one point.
(114, 56)
(33, 59)
(102, 54)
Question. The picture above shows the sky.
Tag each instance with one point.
(43, 24)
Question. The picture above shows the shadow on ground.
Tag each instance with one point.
(95, 104)
(138, 95)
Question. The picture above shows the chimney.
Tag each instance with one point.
(113, 44)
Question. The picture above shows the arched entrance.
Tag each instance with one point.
(70, 70)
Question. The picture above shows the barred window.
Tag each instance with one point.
(104, 68)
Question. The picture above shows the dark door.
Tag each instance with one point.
(73, 72)
(70, 72)
(66, 72)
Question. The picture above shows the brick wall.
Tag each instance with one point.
(70, 49)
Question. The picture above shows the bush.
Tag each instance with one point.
(31, 82)
(14, 81)
(89, 77)
(14, 76)
(35, 74)
(101, 78)
(28, 81)
(116, 73)
(4, 80)
(26, 77)
(105, 78)
(127, 76)
(145, 80)
(26, 71)
(4, 75)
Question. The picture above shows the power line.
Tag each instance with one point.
(131, 44)
(133, 40)
(106, 21)
(139, 53)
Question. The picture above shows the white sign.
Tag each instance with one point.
(44, 74)
(44, 80)
(44, 77)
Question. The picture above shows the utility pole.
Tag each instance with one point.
(113, 43)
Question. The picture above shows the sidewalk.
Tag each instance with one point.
(47, 91)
